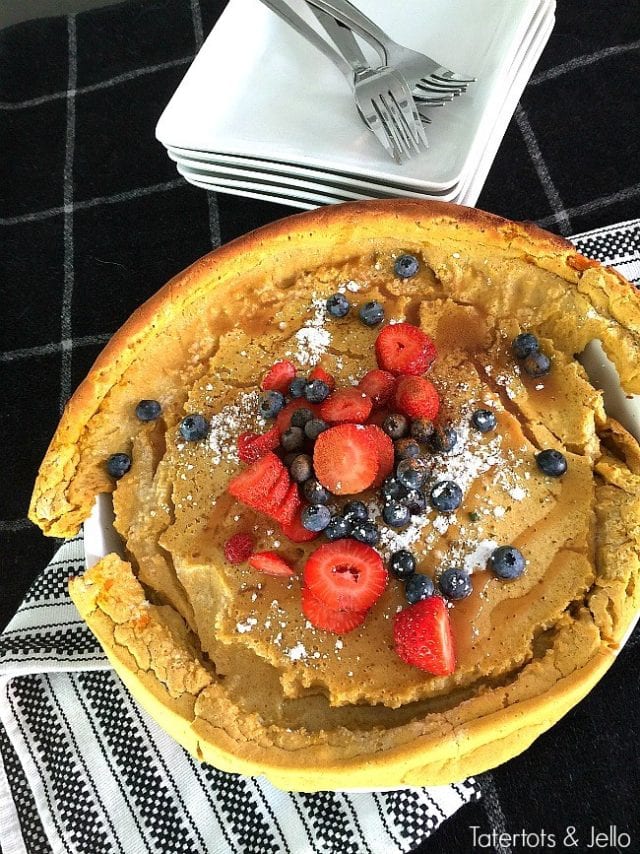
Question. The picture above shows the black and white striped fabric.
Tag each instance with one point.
(103, 777)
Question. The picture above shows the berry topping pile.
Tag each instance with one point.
(354, 466)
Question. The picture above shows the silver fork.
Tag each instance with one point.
(348, 46)
(422, 72)
(382, 95)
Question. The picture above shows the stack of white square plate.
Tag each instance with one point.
(260, 113)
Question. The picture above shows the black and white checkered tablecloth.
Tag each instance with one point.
(93, 219)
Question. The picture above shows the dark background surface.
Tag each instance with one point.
(69, 277)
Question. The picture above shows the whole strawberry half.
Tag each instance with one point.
(346, 405)
(345, 575)
(416, 397)
(422, 636)
(378, 385)
(403, 348)
(279, 376)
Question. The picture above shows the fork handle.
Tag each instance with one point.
(284, 11)
(343, 39)
(349, 15)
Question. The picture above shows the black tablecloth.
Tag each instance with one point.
(94, 219)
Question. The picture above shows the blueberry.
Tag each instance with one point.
(301, 416)
(507, 562)
(193, 427)
(371, 313)
(444, 439)
(355, 511)
(118, 464)
(338, 528)
(366, 532)
(455, 583)
(297, 387)
(484, 420)
(524, 345)
(406, 449)
(314, 427)
(316, 391)
(338, 305)
(422, 430)
(292, 439)
(415, 501)
(410, 473)
(446, 496)
(406, 266)
(271, 403)
(392, 489)
(315, 517)
(314, 492)
(402, 564)
(418, 587)
(148, 410)
(551, 462)
(536, 365)
(301, 468)
(395, 426)
(396, 515)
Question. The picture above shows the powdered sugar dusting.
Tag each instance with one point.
(314, 338)
(227, 424)
(297, 652)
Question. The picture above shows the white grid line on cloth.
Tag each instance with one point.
(212, 198)
(11, 525)
(54, 347)
(629, 225)
(68, 266)
(550, 190)
(94, 87)
(593, 205)
(125, 196)
(493, 811)
(581, 61)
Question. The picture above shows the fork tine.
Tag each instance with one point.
(437, 86)
(400, 123)
(375, 124)
(410, 120)
(450, 77)
(381, 109)
(420, 96)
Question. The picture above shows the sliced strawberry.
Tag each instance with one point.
(378, 385)
(403, 348)
(279, 376)
(286, 511)
(319, 373)
(385, 451)
(271, 505)
(345, 459)
(238, 548)
(422, 636)
(346, 404)
(296, 531)
(345, 575)
(270, 563)
(253, 446)
(263, 485)
(416, 397)
(339, 622)
(283, 419)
